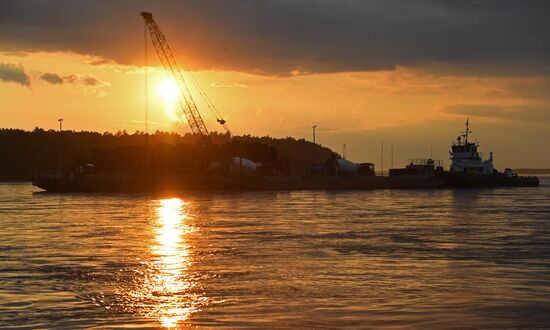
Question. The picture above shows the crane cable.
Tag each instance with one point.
(201, 91)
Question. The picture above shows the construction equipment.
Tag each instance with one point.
(176, 72)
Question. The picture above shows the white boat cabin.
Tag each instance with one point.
(465, 157)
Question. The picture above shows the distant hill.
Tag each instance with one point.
(23, 152)
(532, 170)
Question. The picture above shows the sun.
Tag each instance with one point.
(170, 94)
(169, 91)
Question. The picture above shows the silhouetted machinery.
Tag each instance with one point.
(176, 72)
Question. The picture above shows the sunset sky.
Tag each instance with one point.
(405, 72)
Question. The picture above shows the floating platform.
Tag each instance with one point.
(141, 183)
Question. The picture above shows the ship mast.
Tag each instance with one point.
(467, 131)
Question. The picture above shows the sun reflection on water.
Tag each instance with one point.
(170, 284)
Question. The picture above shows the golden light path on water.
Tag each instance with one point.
(170, 284)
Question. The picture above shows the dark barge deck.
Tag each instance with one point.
(101, 182)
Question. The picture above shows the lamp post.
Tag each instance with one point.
(314, 145)
(60, 120)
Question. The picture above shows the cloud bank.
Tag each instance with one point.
(282, 37)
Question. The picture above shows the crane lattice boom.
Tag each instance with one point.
(171, 67)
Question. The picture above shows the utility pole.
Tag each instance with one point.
(391, 145)
(345, 151)
(382, 158)
(314, 145)
(60, 120)
(146, 168)
(145, 53)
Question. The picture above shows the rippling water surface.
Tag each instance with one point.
(306, 259)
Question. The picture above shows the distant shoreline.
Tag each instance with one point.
(532, 170)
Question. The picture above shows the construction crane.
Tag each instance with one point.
(176, 72)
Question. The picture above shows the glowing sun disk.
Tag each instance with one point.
(169, 91)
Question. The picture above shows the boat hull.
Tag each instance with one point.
(495, 180)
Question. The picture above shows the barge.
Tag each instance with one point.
(467, 169)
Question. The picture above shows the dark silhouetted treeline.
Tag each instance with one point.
(24, 152)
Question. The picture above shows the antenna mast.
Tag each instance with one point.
(467, 131)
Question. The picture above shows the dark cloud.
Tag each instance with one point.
(14, 73)
(285, 36)
(86, 80)
(90, 81)
(515, 113)
(52, 78)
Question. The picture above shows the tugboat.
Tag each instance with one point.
(468, 169)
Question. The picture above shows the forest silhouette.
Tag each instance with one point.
(24, 152)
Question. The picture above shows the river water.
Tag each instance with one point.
(470, 258)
